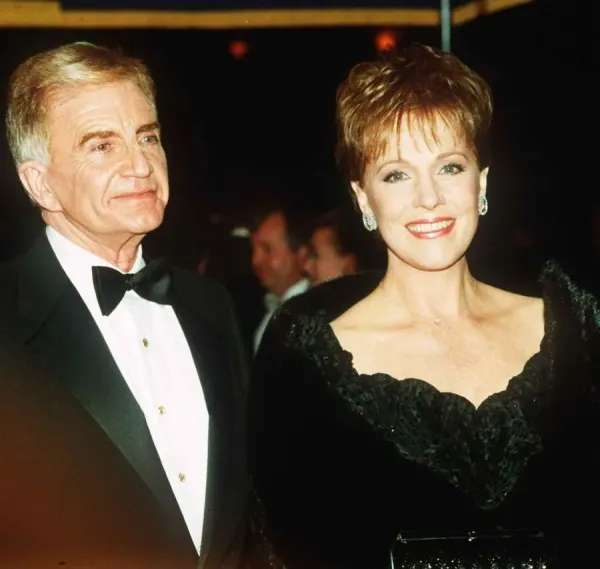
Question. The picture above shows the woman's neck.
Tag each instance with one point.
(430, 295)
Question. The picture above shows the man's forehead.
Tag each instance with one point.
(274, 222)
(271, 229)
(112, 97)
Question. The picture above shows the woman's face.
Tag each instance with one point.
(424, 194)
(325, 262)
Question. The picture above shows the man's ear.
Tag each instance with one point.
(33, 177)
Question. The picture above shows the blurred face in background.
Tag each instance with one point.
(326, 262)
(275, 264)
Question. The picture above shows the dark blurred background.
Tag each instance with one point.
(239, 126)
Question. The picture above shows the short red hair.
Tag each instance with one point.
(419, 83)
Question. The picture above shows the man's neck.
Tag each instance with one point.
(118, 250)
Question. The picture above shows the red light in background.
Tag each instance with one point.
(386, 39)
(238, 49)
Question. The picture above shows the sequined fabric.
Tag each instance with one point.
(493, 561)
(344, 463)
(498, 550)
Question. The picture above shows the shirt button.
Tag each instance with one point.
(161, 410)
(145, 342)
(181, 477)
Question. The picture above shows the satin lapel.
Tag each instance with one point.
(60, 333)
(210, 356)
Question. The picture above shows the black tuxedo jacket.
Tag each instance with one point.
(68, 399)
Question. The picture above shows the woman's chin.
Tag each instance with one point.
(433, 264)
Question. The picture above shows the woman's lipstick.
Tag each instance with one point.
(431, 228)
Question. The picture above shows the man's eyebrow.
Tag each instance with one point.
(148, 127)
(102, 134)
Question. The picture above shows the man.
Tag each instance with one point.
(227, 259)
(279, 255)
(150, 354)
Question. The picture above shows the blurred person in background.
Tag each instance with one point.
(150, 352)
(280, 248)
(226, 258)
(425, 418)
(332, 249)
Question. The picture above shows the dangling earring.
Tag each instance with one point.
(369, 221)
(483, 205)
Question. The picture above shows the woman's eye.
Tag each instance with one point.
(395, 176)
(452, 169)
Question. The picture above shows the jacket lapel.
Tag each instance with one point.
(58, 330)
(209, 350)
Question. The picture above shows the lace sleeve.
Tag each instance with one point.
(263, 554)
(280, 435)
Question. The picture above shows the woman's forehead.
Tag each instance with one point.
(415, 136)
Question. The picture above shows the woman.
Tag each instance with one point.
(426, 419)
(333, 249)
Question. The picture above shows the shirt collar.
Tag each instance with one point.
(296, 289)
(272, 302)
(77, 263)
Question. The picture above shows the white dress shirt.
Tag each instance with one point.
(152, 353)
(272, 303)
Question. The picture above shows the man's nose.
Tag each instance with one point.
(137, 164)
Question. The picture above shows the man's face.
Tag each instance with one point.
(275, 264)
(107, 173)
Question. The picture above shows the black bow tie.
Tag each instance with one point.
(153, 283)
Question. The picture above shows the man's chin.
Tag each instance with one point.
(145, 223)
(264, 282)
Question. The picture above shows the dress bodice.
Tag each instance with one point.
(348, 467)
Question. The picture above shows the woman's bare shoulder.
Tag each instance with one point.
(357, 316)
(522, 312)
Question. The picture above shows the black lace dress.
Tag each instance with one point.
(354, 471)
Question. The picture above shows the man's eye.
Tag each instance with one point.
(150, 139)
(102, 147)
